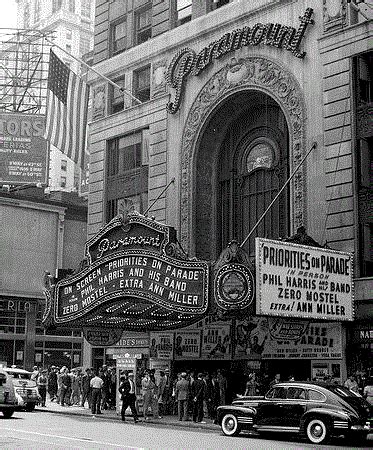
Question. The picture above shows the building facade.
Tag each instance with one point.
(39, 234)
(71, 26)
(232, 97)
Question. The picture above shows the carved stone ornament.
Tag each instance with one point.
(234, 284)
(99, 101)
(254, 73)
(335, 14)
(159, 80)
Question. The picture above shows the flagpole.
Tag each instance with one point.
(121, 88)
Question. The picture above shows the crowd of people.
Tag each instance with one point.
(189, 395)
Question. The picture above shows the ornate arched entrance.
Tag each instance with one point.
(242, 101)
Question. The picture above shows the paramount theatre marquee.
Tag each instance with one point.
(135, 276)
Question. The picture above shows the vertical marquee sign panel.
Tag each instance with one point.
(302, 281)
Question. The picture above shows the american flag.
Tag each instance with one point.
(67, 105)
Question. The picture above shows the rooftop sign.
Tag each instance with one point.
(186, 62)
(302, 281)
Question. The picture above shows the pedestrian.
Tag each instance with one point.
(96, 384)
(65, 387)
(198, 397)
(52, 383)
(60, 374)
(113, 388)
(75, 388)
(208, 396)
(351, 384)
(251, 385)
(148, 394)
(368, 391)
(86, 388)
(105, 392)
(35, 373)
(42, 383)
(181, 395)
(276, 380)
(222, 386)
(215, 397)
(161, 392)
(127, 389)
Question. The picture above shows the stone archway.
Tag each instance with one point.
(252, 73)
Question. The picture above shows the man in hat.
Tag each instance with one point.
(181, 394)
(127, 389)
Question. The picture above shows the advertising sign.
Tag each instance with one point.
(161, 345)
(216, 341)
(187, 344)
(301, 281)
(102, 337)
(133, 339)
(279, 338)
(23, 150)
(178, 286)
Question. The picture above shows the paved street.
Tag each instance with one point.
(48, 430)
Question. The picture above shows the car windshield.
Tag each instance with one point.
(20, 376)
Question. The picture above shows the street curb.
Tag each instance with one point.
(180, 424)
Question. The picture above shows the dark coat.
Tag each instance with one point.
(199, 388)
(124, 388)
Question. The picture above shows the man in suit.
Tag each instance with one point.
(199, 388)
(127, 390)
(181, 394)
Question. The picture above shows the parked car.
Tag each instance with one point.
(24, 386)
(316, 410)
(8, 398)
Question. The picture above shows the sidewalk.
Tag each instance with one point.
(53, 407)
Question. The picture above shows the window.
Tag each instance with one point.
(127, 174)
(277, 392)
(68, 48)
(69, 34)
(296, 393)
(119, 37)
(316, 396)
(219, 3)
(56, 5)
(86, 8)
(117, 96)
(63, 182)
(72, 6)
(141, 84)
(365, 78)
(184, 11)
(143, 23)
(64, 165)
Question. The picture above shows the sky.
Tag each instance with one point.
(8, 14)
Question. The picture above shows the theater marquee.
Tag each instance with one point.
(136, 278)
(302, 281)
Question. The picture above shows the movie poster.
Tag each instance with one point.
(280, 338)
(161, 345)
(216, 341)
(187, 344)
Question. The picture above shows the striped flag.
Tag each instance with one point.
(67, 106)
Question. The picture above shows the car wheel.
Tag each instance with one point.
(30, 407)
(229, 425)
(8, 413)
(316, 431)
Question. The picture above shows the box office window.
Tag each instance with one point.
(119, 36)
(141, 84)
(143, 24)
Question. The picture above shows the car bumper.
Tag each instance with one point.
(366, 428)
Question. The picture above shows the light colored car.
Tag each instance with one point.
(24, 387)
(8, 397)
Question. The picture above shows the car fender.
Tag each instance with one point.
(327, 414)
(237, 410)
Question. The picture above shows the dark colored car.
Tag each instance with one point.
(316, 410)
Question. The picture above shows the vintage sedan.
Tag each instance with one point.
(316, 410)
(8, 397)
(25, 388)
